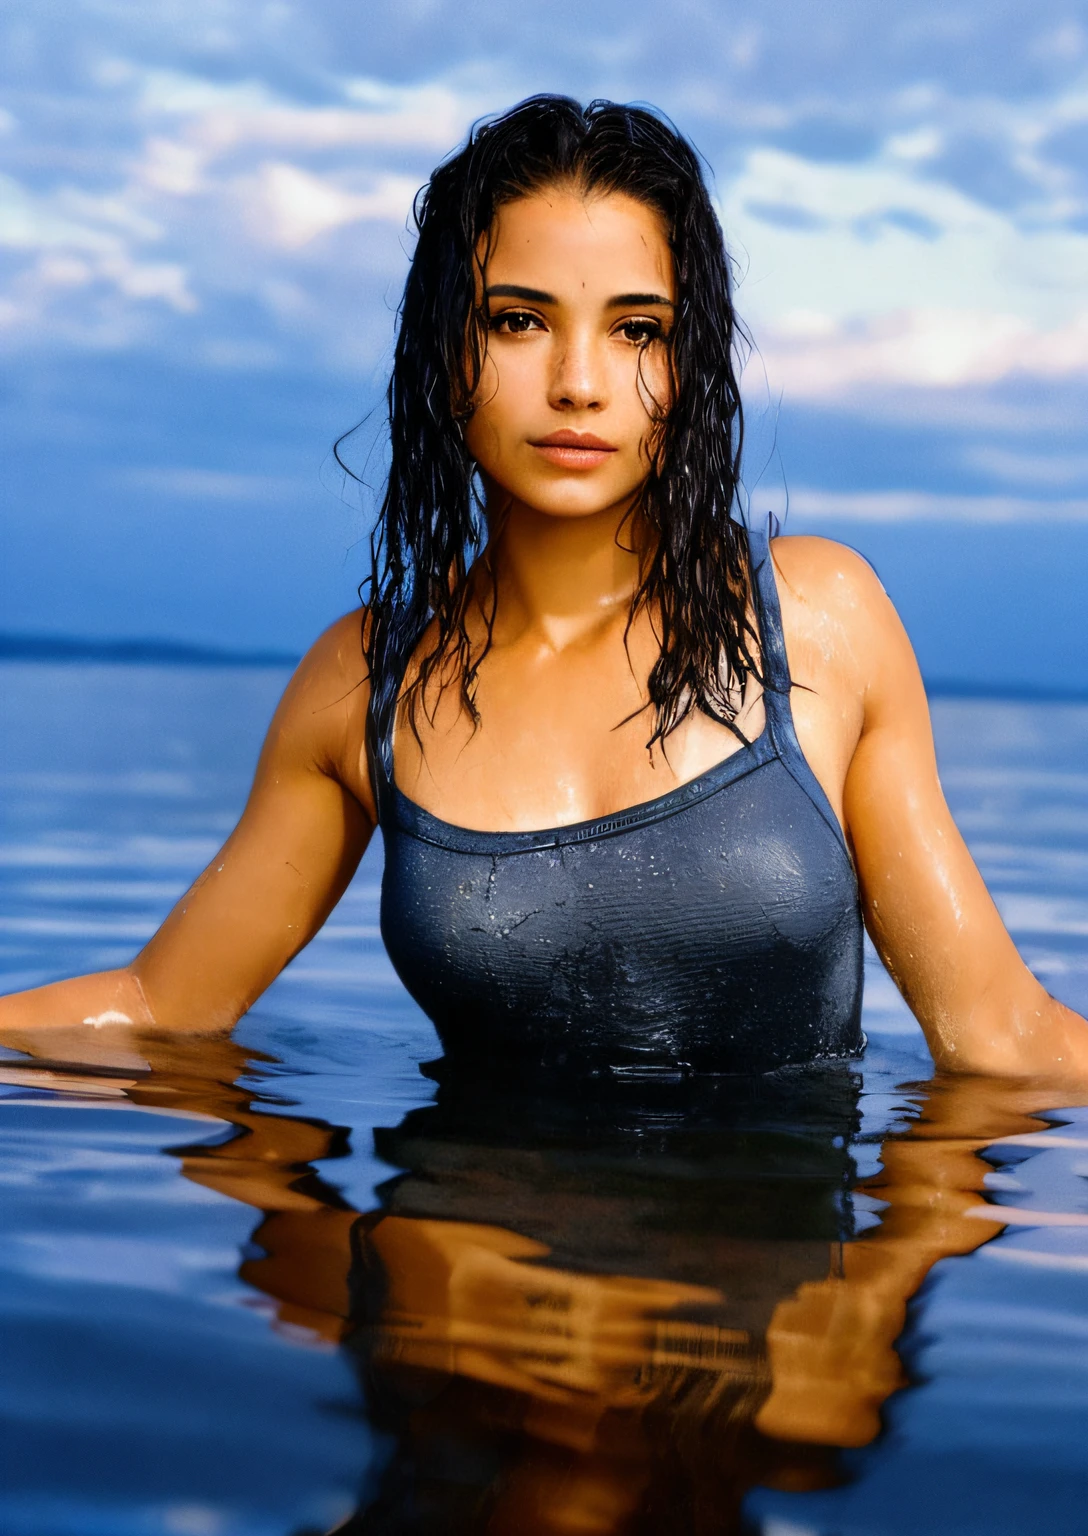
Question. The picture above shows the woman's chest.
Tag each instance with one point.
(555, 744)
(557, 741)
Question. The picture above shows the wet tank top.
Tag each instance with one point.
(713, 929)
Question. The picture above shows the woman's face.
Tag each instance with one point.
(580, 293)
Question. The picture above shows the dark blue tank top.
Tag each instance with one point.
(713, 929)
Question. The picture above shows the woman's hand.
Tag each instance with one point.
(305, 827)
(863, 722)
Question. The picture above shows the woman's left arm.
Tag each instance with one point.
(926, 907)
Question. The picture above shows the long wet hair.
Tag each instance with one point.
(695, 576)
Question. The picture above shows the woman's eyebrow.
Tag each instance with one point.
(635, 300)
(512, 291)
(538, 296)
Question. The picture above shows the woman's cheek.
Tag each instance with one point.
(482, 439)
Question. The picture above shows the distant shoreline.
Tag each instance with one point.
(1008, 693)
(174, 653)
(62, 648)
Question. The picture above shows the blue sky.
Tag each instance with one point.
(203, 236)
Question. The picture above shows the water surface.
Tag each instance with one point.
(274, 1285)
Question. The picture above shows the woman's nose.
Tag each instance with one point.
(578, 381)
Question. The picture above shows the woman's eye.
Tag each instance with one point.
(514, 322)
(641, 332)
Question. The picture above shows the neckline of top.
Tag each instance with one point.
(414, 819)
(423, 824)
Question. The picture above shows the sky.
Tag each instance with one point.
(204, 233)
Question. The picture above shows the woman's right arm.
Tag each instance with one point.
(307, 822)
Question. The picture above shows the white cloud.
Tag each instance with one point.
(29, 222)
(1066, 41)
(1038, 469)
(907, 506)
(208, 484)
(219, 118)
(164, 280)
(204, 131)
(75, 241)
(810, 355)
(228, 187)
(171, 167)
(301, 206)
(851, 252)
(918, 145)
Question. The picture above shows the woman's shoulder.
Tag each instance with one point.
(835, 611)
(336, 656)
(333, 670)
(819, 580)
(823, 571)
(323, 711)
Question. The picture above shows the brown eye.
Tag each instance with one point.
(514, 322)
(641, 332)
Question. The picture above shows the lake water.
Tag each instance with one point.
(286, 1285)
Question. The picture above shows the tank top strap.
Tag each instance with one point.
(777, 683)
(776, 668)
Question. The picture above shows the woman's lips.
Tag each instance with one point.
(573, 450)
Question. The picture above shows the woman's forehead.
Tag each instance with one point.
(579, 238)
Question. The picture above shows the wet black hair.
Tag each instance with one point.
(695, 577)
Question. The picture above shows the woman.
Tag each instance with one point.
(726, 740)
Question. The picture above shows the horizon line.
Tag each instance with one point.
(72, 649)
(137, 650)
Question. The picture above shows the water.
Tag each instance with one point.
(659, 1310)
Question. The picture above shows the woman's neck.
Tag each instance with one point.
(559, 577)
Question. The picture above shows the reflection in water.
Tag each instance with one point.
(567, 1296)
(591, 1308)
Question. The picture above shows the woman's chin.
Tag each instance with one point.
(570, 499)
